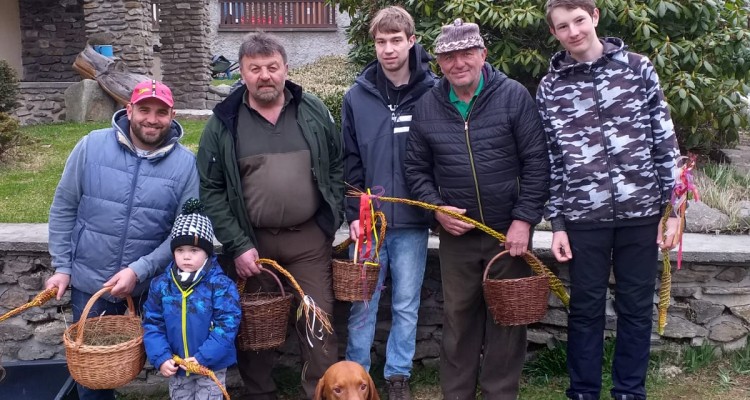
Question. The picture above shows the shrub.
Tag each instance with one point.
(8, 87)
(701, 49)
(10, 135)
(328, 78)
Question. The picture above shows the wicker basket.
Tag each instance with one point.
(356, 281)
(265, 317)
(519, 301)
(106, 366)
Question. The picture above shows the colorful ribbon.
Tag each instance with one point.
(684, 190)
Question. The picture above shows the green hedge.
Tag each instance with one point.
(328, 78)
(8, 87)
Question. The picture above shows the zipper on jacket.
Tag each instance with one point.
(471, 162)
(183, 312)
(184, 323)
(605, 146)
(129, 209)
(395, 115)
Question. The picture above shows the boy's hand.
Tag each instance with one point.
(168, 368)
(189, 359)
(670, 238)
(561, 246)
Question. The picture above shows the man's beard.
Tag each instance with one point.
(155, 141)
(266, 96)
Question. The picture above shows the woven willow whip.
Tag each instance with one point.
(307, 306)
(37, 301)
(195, 368)
(666, 278)
(556, 286)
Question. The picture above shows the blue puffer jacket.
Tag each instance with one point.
(211, 308)
(114, 209)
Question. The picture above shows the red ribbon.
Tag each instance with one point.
(365, 227)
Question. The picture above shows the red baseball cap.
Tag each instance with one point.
(152, 89)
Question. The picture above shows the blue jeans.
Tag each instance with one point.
(404, 254)
(631, 251)
(78, 300)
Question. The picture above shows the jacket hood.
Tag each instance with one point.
(562, 62)
(121, 124)
(419, 65)
(227, 110)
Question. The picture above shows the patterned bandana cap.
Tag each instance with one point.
(458, 36)
(193, 228)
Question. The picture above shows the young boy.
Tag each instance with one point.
(192, 310)
(613, 150)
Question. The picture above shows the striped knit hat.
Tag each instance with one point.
(193, 228)
(459, 35)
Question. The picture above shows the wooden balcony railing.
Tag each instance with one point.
(276, 15)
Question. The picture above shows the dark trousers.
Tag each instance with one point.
(305, 252)
(633, 253)
(474, 349)
(78, 300)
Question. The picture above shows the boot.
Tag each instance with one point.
(398, 388)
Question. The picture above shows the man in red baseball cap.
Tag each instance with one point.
(150, 113)
(118, 197)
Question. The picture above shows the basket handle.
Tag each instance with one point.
(528, 256)
(241, 282)
(379, 215)
(87, 309)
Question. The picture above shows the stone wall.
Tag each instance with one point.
(185, 52)
(710, 304)
(127, 26)
(41, 102)
(52, 34)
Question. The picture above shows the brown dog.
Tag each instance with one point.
(346, 380)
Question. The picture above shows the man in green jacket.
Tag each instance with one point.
(271, 178)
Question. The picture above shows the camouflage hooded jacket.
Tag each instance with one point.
(611, 140)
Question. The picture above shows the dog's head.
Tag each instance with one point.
(346, 380)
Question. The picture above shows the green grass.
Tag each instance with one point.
(29, 178)
(723, 188)
(712, 377)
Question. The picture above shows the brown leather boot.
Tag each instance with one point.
(398, 388)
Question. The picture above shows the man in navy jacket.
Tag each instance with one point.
(376, 118)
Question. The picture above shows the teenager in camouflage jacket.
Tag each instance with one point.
(612, 151)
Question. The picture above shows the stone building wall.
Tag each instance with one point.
(41, 102)
(52, 34)
(127, 26)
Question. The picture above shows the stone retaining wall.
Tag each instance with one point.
(710, 304)
(41, 102)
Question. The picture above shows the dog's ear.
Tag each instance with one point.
(373, 392)
(319, 390)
